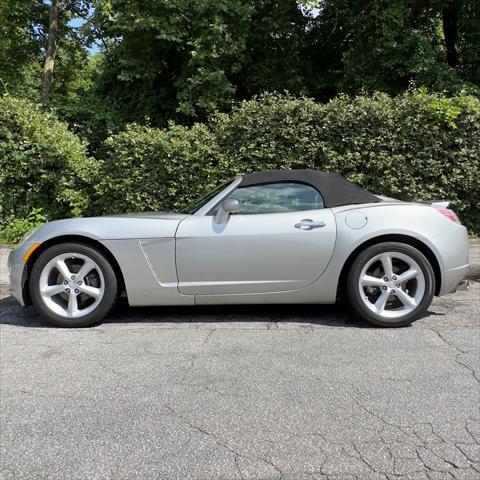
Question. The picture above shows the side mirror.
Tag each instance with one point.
(226, 208)
(231, 205)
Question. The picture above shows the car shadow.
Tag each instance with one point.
(329, 315)
(338, 315)
(333, 315)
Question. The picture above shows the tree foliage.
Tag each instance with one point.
(183, 59)
(24, 29)
(391, 43)
(175, 56)
(21, 40)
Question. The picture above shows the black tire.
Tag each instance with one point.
(110, 288)
(353, 279)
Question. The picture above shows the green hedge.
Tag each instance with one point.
(151, 169)
(43, 166)
(415, 146)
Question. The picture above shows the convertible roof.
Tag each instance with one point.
(335, 189)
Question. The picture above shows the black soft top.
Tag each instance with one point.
(335, 189)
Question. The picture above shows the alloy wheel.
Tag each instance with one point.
(391, 284)
(71, 285)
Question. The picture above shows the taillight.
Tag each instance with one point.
(450, 214)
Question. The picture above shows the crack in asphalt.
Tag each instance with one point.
(475, 375)
(236, 454)
(395, 446)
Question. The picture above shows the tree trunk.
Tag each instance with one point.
(450, 31)
(51, 51)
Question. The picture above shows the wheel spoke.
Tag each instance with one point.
(405, 298)
(408, 275)
(86, 268)
(370, 281)
(52, 290)
(63, 269)
(381, 302)
(90, 291)
(72, 308)
(387, 265)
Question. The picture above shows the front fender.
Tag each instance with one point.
(120, 235)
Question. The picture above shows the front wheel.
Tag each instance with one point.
(391, 284)
(72, 285)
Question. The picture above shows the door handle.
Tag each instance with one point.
(309, 224)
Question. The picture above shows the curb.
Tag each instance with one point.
(4, 251)
(474, 258)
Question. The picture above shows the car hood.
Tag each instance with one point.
(155, 215)
(112, 227)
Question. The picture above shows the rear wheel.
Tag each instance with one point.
(73, 285)
(391, 284)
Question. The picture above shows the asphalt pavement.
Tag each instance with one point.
(271, 392)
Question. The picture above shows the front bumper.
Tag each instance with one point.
(18, 272)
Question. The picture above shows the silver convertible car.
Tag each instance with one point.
(297, 236)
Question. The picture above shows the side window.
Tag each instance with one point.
(277, 198)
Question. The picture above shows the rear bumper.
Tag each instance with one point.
(453, 279)
(454, 253)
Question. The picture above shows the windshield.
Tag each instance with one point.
(200, 202)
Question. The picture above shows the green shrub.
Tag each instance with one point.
(270, 132)
(416, 146)
(152, 169)
(15, 230)
(42, 164)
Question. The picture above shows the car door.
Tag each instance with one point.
(281, 239)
